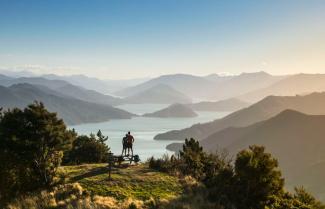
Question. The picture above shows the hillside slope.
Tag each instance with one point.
(88, 95)
(136, 182)
(159, 94)
(194, 86)
(295, 139)
(173, 111)
(71, 110)
(243, 83)
(267, 108)
(290, 86)
(220, 106)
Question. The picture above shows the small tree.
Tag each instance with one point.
(31, 145)
(192, 156)
(258, 178)
(307, 199)
(88, 149)
(101, 137)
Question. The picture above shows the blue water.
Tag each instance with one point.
(144, 129)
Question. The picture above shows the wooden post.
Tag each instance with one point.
(110, 164)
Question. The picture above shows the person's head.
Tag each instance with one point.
(129, 132)
(126, 134)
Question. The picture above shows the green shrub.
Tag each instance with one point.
(88, 149)
(32, 142)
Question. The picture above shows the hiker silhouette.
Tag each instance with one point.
(127, 143)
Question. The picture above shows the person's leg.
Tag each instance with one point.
(132, 150)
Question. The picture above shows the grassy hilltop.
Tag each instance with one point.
(135, 182)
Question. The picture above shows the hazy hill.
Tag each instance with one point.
(194, 86)
(292, 85)
(265, 109)
(243, 83)
(173, 111)
(4, 77)
(72, 110)
(159, 94)
(88, 95)
(102, 86)
(296, 139)
(53, 84)
(218, 78)
(223, 105)
(213, 86)
(63, 88)
(17, 74)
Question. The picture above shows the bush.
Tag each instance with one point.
(165, 164)
(192, 157)
(32, 142)
(88, 149)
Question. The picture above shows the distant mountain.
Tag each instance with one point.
(295, 139)
(187, 84)
(53, 84)
(17, 74)
(4, 77)
(265, 109)
(89, 95)
(214, 87)
(243, 83)
(289, 86)
(102, 86)
(173, 111)
(63, 88)
(223, 105)
(218, 78)
(159, 94)
(73, 111)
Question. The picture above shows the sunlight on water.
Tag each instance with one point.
(144, 129)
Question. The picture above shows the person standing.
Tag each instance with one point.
(124, 144)
(130, 141)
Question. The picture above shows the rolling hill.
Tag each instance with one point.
(265, 109)
(214, 87)
(295, 139)
(220, 106)
(88, 95)
(292, 85)
(243, 83)
(173, 111)
(159, 94)
(52, 84)
(73, 111)
(194, 86)
(63, 88)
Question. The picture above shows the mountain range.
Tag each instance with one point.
(103, 86)
(211, 87)
(159, 94)
(270, 106)
(291, 85)
(71, 110)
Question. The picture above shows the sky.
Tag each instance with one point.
(118, 39)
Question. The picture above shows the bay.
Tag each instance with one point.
(144, 129)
